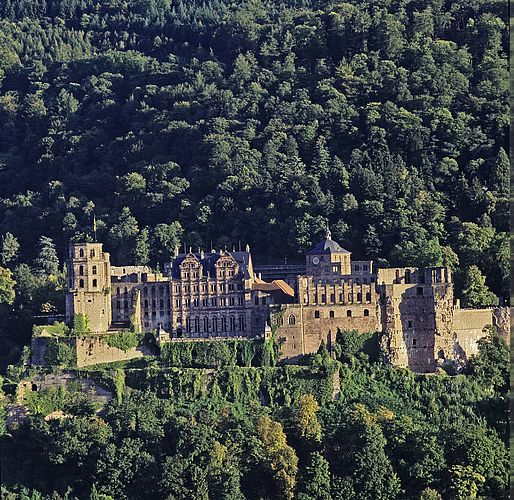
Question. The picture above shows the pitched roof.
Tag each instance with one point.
(275, 285)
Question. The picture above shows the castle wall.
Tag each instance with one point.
(301, 329)
(468, 326)
(92, 350)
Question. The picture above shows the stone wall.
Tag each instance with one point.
(300, 329)
(93, 350)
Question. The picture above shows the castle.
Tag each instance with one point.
(218, 294)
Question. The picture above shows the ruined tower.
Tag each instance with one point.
(89, 293)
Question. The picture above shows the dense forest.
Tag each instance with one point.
(267, 432)
(207, 123)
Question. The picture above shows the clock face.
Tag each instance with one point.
(315, 260)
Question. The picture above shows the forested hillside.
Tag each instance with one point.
(213, 122)
(268, 433)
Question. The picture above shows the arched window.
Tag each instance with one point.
(349, 313)
(94, 269)
(366, 312)
(316, 314)
(232, 324)
(81, 270)
(95, 283)
(117, 291)
(331, 314)
(214, 324)
(81, 252)
(81, 283)
(292, 319)
(125, 291)
(206, 324)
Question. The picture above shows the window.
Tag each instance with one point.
(414, 342)
(125, 305)
(197, 324)
(410, 324)
(256, 301)
(204, 302)
(146, 304)
(349, 313)
(95, 283)
(231, 287)
(241, 324)
(153, 290)
(263, 301)
(188, 325)
(118, 305)
(240, 286)
(332, 298)
(94, 269)
(214, 324)
(292, 319)
(117, 291)
(206, 324)
(419, 290)
(231, 301)
(161, 304)
(316, 314)
(125, 291)
(223, 324)
(214, 301)
(81, 252)
(81, 283)
(232, 324)
(366, 313)
(145, 290)
(92, 253)
(331, 314)
(240, 301)
(407, 276)
(153, 304)
(397, 276)
(81, 270)
(359, 297)
(357, 268)
(368, 296)
(323, 298)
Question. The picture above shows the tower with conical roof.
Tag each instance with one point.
(328, 260)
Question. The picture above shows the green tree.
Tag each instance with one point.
(47, 261)
(315, 483)
(7, 283)
(307, 424)
(475, 292)
(10, 248)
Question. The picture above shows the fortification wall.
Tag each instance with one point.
(93, 350)
(468, 326)
(301, 329)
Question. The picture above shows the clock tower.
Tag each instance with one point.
(328, 260)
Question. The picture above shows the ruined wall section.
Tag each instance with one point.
(301, 329)
(93, 350)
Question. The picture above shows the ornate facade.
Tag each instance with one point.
(217, 294)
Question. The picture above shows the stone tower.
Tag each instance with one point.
(89, 281)
(328, 260)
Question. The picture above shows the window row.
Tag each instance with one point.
(81, 270)
(196, 325)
